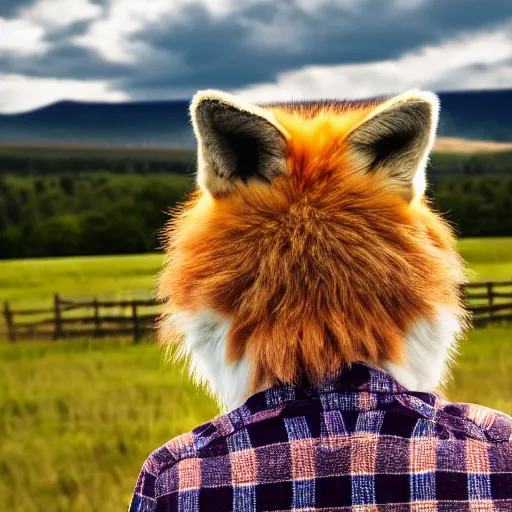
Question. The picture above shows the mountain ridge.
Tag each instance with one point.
(474, 115)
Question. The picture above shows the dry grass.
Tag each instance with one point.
(454, 145)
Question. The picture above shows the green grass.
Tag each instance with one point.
(483, 370)
(78, 419)
(488, 259)
(32, 283)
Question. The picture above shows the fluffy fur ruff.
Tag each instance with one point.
(327, 265)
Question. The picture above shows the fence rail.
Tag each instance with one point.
(134, 318)
(488, 302)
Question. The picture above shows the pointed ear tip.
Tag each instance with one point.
(427, 96)
(206, 95)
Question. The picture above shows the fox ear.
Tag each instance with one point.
(236, 141)
(396, 139)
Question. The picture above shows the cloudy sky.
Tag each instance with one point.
(116, 50)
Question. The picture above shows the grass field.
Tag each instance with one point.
(56, 151)
(488, 259)
(77, 419)
(32, 283)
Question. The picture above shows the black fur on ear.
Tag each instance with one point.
(235, 142)
(397, 137)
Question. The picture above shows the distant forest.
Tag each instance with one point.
(64, 202)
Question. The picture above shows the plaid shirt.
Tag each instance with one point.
(362, 443)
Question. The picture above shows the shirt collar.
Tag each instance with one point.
(353, 379)
(361, 377)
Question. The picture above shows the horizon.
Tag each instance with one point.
(127, 50)
(188, 99)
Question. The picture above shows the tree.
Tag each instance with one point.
(57, 236)
(39, 186)
(67, 185)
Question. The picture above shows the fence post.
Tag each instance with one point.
(9, 321)
(97, 323)
(136, 332)
(490, 296)
(57, 333)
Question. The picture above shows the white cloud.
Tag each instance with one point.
(26, 34)
(20, 93)
(110, 36)
(60, 13)
(477, 60)
(21, 36)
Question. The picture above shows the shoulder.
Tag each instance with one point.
(164, 461)
(494, 426)
(177, 462)
(158, 475)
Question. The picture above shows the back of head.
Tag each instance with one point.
(309, 245)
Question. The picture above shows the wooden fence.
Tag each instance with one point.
(489, 302)
(68, 319)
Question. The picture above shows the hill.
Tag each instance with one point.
(157, 123)
(476, 115)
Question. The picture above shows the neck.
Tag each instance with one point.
(428, 350)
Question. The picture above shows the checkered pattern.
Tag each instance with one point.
(362, 443)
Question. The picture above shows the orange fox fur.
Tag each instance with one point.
(323, 267)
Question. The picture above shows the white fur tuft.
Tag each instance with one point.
(430, 347)
(205, 340)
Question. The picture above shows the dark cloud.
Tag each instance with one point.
(65, 61)
(10, 8)
(61, 35)
(459, 15)
(216, 54)
(258, 42)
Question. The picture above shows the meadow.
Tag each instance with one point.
(77, 419)
(31, 283)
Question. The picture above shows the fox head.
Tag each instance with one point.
(308, 245)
